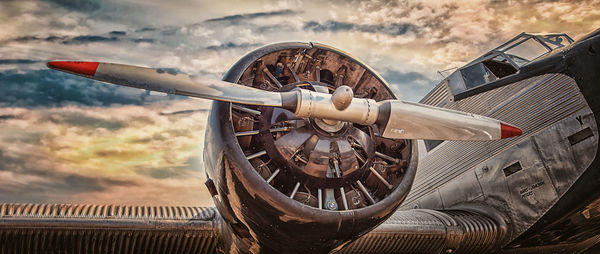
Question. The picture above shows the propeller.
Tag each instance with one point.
(395, 119)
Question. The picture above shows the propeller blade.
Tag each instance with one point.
(407, 120)
(174, 83)
(395, 119)
(403, 120)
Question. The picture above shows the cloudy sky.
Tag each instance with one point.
(66, 139)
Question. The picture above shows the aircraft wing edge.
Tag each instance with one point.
(65, 228)
(432, 231)
(68, 228)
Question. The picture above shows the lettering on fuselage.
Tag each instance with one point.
(398, 131)
(579, 120)
(528, 191)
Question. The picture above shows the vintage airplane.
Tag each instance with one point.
(308, 151)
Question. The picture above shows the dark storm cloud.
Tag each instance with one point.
(64, 39)
(117, 33)
(249, 16)
(170, 30)
(17, 61)
(231, 45)
(337, 26)
(78, 5)
(112, 37)
(145, 29)
(29, 38)
(82, 39)
(7, 117)
(275, 28)
(141, 40)
(50, 88)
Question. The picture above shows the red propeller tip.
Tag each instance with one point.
(507, 131)
(77, 67)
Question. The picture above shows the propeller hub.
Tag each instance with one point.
(342, 97)
(329, 126)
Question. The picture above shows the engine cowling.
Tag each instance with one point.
(289, 184)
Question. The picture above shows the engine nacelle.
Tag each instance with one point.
(289, 184)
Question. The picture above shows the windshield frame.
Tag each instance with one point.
(456, 82)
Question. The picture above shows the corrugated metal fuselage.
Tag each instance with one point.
(542, 182)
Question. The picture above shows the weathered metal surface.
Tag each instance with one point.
(548, 109)
(544, 181)
(533, 104)
(429, 231)
(563, 224)
(176, 83)
(262, 215)
(64, 228)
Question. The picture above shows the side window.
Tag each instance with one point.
(487, 71)
(476, 75)
(500, 66)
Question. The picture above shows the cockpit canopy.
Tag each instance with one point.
(505, 60)
(528, 47)
(501, 62)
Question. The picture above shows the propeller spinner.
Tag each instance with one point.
(395, 119)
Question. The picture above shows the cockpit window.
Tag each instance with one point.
(526, 50)
(527, 47)
(505, 60)
(476, 75)
(493, 68)
(500, 66)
